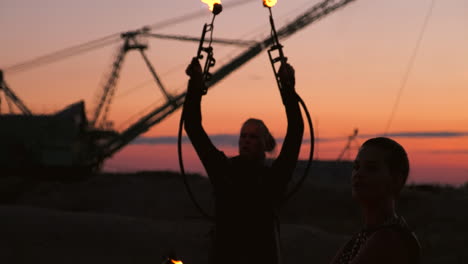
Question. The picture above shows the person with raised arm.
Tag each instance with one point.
(248, 192)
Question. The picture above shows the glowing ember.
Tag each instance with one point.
(176, 261)
(269, 3)
(211, 3)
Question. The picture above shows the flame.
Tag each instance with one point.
(211, 3)
(176, 261)
(269, 3)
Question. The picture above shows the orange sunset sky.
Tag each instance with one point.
(350, 67)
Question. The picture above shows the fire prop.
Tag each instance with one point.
(211, 4)
(216, 8)
(281, 58)
(276, 45)
(171, 260)
(269, 3)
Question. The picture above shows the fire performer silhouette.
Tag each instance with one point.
(247, 192)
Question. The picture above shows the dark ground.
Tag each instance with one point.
(139, 218)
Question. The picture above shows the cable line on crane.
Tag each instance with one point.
(102, 42)
(63, 54)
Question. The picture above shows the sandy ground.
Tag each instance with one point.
(142, 217)
(137, 218)
(34, 235)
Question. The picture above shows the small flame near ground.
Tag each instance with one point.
(269, 3)
(211, 3)
(176, 261)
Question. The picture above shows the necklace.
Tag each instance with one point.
(353, 247)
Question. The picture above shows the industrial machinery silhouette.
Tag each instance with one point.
(97, 141)
(11, 98)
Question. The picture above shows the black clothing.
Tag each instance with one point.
(247, 192)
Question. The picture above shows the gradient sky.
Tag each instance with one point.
(349, 66)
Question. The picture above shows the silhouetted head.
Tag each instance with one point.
(255, 139)
(380, 170)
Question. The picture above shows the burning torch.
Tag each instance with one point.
(276, 44)
(216, 8)
(172, 261)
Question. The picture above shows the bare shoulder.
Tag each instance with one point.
(389, 246)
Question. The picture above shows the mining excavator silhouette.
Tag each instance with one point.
(70, 141)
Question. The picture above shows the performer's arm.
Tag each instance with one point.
(207, 152)
(286, 162)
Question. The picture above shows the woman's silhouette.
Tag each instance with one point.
(379, 173)
(247, 191)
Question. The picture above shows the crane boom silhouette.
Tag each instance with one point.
(173, 103)
(10, 96)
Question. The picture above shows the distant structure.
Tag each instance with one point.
(60, 142)
(351, 140)
(34, 142)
